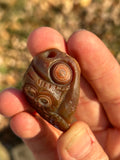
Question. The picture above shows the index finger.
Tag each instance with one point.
(45, 38)
(12, 101)
(101, 70)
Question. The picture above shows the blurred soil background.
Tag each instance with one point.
(18, 18)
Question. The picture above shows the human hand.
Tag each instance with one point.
(97, 114)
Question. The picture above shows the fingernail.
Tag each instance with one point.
(80, 144)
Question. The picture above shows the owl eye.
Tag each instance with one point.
(30, 91)
(61, 73)
(44, 100)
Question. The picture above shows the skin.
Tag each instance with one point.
(96, 134)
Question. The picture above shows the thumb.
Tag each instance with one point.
(79, 143)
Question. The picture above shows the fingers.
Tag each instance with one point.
(45, 38)
(25, 125)
(79, 143)
(37, 134)
(12, 101)
(89, 109)
(100, 69)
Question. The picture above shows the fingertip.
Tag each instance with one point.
(81, 35)
(12, 102)
(25, 125)
(84, 42)
(45, 38)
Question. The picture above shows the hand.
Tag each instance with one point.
(98, 113)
